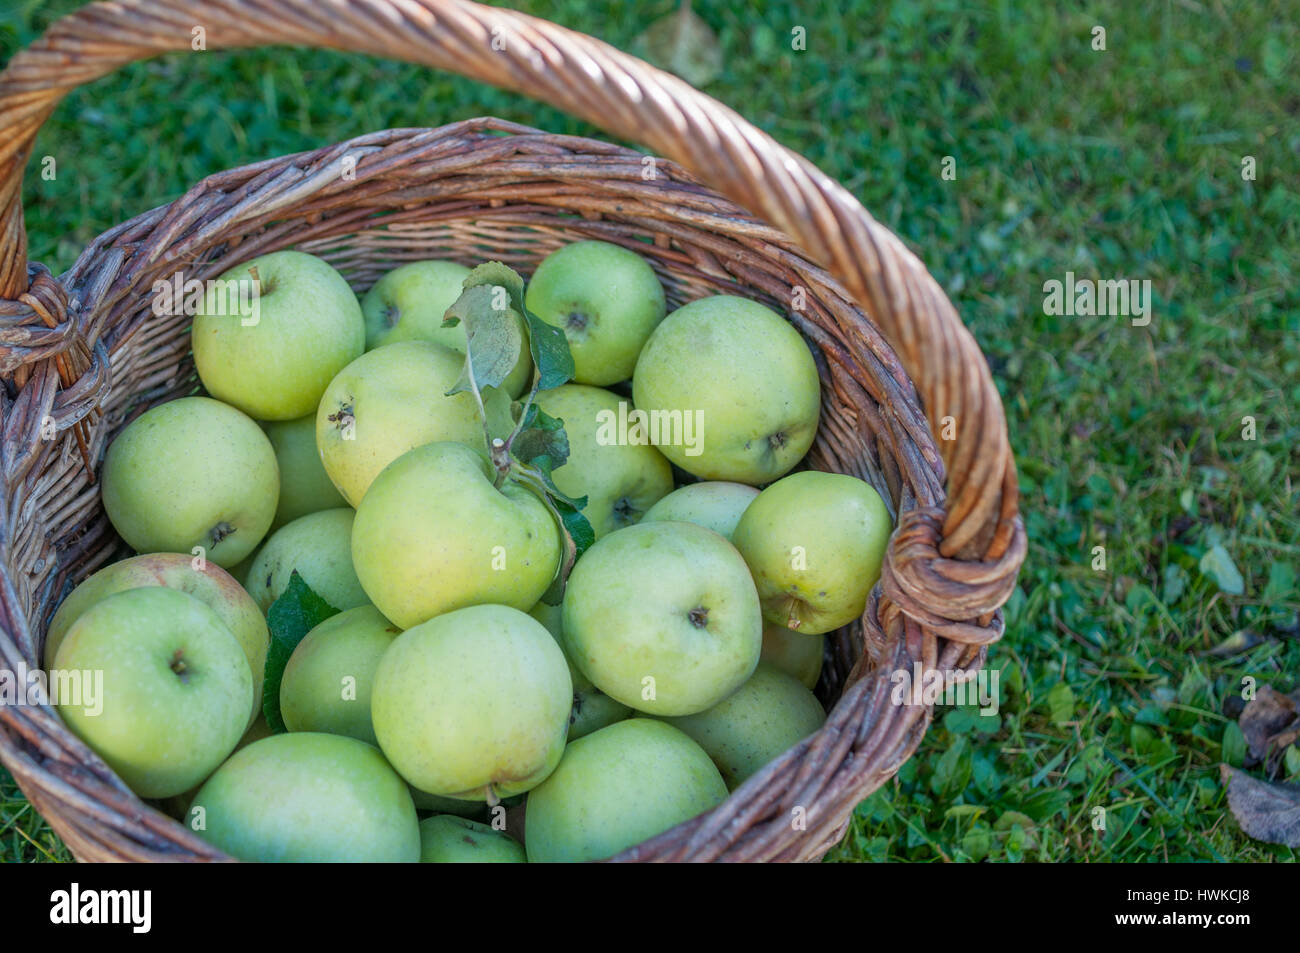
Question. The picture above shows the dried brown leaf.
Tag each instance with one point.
(1267, 812)
(1270, 723)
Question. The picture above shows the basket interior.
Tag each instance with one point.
(471, 192)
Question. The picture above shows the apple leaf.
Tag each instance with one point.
(290, 618)
(550, 350)
(541, 440)
(577, 536)
(542, 445)
(547, 344)
(493, 336)
(492, 273)
(577, 526)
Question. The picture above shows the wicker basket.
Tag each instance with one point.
(83, 353)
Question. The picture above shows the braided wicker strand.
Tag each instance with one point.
(461, 192)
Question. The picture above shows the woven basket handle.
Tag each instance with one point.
(956, 564)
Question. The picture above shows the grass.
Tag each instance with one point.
(1118, 163)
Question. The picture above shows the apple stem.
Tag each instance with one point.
(794, 620)
(499, 451)
(178, 666)
(523, 413)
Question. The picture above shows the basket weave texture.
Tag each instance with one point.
(83, 353)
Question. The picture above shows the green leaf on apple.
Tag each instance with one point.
(541, 441)
(577, 526)
(538, 443)
(577, 537)
(497, 273)
(290, 618)
(539, 446)
(551, 355)
(547, 343)
(493, 338)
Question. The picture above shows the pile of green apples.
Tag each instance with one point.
(468, 569)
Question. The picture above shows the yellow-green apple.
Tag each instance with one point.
(795, 653)
(393, 399)
(305, 487)
(205, 581)
(176, 689)
(758, 721)
(473, 704)
(714, 504)
(663, 617)
(620, 480)
(744, 376)
(308, 797)
(814, 542)
(606, 299)
(592, 708)
(617, 787)
(447, 839)
(318, 547)
(272, 353)
(192, 473)
(434, 534)
(408, 304)
(328, 680)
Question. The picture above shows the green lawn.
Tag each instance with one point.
(1122, 163)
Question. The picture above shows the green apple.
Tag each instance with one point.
(308, 797)
(409, 303)
(606, 299)
(318, 547)
(447, 839)
(767, 715)
(747, 380)
(592, 708)
(391, 400)
(814, 542)
(272, 352)
(663, 617)
(620, 480)
(617, 787)
(192, 473)
(714, 504)
(208, 583)
(795, 653)
(305, 487)
(176, 689)
(434, 534)
(473, 704)
(328, 680)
